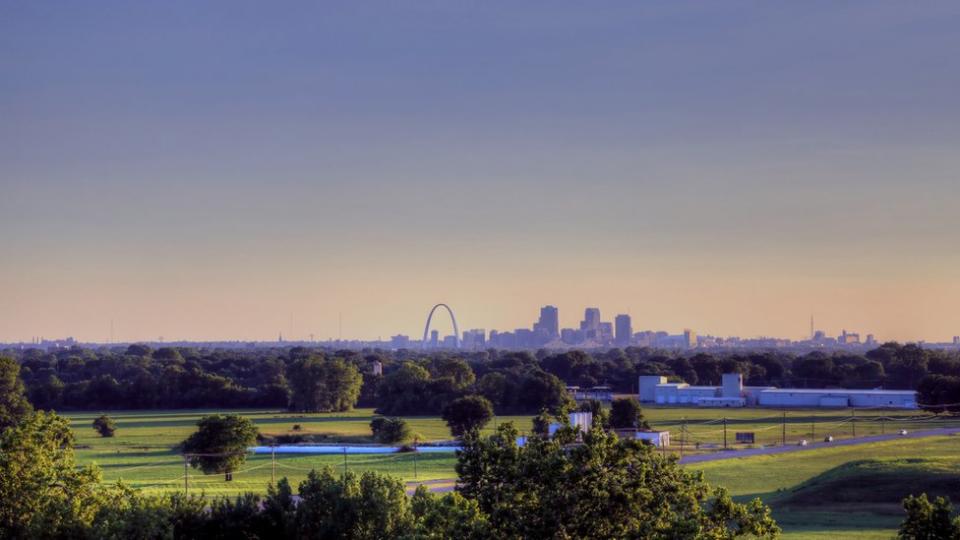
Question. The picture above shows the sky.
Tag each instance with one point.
(233, 170)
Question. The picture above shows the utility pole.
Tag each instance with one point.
(724, 432)
(813, 429)
(415, 452)
(853, 422)
(783, 428)
(344, 461)
(883, 421)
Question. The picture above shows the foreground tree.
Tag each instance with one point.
(44, 493)
(14, 406)
(220, 443)
(321, 385)
(929, 521)
(467, 414)
(604, 488)
(105, 426)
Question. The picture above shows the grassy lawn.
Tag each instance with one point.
(143, 454)
(843, 492)
(802, 487)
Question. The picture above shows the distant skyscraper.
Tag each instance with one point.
(590, 325)
(689, 338)
(624, 330)
(434, 338)
(549, 323)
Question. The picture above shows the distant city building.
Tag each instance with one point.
(871, 340)
(434, 338)
(549, 323)
(376, 368)
(848, 339)
(474, 339)
(956, 340)
(400, 342)
(624, 330)
(590, 325)
(689, 338)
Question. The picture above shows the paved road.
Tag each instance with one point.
(447, 485)
(733, 454)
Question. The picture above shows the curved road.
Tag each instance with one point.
(447, 485)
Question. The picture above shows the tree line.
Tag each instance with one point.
(415, 383)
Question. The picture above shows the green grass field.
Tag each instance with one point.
(802, 487)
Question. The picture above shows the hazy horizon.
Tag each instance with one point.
(206, 171)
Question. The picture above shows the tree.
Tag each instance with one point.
(450, 516)
(467, 414)
(939, 393)
(389, 430)
(220, 443)
(14, 406)
(929, 521)
(105, 426)
(625, 413)
(44, 493)
(321, 385)
(604, 488)
(369, 507)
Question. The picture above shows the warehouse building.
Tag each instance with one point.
(732, 393)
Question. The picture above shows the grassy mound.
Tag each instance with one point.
(877, 482)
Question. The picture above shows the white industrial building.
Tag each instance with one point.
(732, 393)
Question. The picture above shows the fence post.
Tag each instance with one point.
(683, 430)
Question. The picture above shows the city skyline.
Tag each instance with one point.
(547, 331)
(201, 172)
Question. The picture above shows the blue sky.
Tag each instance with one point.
(205, 171)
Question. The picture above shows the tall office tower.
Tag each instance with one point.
(434, 339)
(689, 338)
(624, 330)
(591, 319)
(549, 323)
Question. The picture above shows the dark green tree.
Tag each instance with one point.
(321, 385)
(467, 414)
(625, 413)
(14, 406)
(389, 430)
(220, 443)
(105, 426)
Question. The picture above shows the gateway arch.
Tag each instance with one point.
(453, 319)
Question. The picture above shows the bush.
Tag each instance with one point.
(105, 426)
(389, 430)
